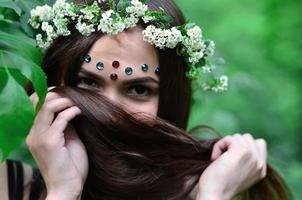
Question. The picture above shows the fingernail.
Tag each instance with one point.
(50, 88)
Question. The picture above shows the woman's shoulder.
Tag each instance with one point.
(16, 180)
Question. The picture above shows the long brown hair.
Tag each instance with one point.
(131, 159)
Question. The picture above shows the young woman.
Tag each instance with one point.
(112, 127)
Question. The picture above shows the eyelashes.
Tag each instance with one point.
(136, 91)
(86, 82)
(139, 90)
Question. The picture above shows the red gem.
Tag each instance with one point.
(113, 77)
(115, 64)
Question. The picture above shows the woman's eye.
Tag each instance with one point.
(87, 82)
(139, 90)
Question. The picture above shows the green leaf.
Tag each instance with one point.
(12, 5)
(122, 5)
(21, 45)
(144, 1)
(26, 7)
(168, 19)
(112, 4)
(190, 25)
(29, 69)
(16, 113)
(18, 51)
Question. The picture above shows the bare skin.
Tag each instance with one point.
(239, 161)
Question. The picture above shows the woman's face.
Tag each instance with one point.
(113, 66)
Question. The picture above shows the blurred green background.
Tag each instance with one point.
(261, 42)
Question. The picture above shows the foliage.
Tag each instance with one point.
(19, 62)
(261, 43)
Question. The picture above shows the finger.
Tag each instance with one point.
(220, 147)
(262, 147)
(63, 118)
(252, 144)
(45, 116)
(34, 98)
(240, 140)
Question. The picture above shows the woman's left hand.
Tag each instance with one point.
(239, 161)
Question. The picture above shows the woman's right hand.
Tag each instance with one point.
(58, 151)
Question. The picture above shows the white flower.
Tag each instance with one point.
(50, 32)
(43, 13)
(224, 81)
(148, 18)
(61, 26)
(162, 38)
(130, 21)
(193, 41)
(206, 69)
(43, 44)
(107, 14)
(209, 51)
(220, 85)
(137, 9)
(195, 57)
(174, 37)
(61, 8)
(84, 28)
(87, 15)
(34, 23)
(109, 25)
(194, 32)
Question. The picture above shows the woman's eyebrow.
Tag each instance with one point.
(140, 80)
(133, 81)
(92, 75)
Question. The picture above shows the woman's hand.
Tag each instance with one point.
(239, 161)
(59, 153)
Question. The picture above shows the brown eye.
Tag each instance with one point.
(139, 90)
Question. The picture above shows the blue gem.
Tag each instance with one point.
(157, 70)
(145, 67)
(87, 58)
(100, 66)
(128, 70)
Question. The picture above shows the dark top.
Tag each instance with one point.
(19, 181)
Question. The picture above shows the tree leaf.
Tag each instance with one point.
(12, 5)
(21, 45)
(122, 5)
(29, 69)
(19, 52)
(16, 113)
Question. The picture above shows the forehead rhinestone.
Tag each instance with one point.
(87, 58)
(100, 66)
(128, 70)
(113, 77)
(145, 67)
(157, 70)
(115, 64)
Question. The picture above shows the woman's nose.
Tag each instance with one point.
(112, 96)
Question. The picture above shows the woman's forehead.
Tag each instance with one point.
(128, 46)
(125, 55)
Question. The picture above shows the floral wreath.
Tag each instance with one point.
(52, 22)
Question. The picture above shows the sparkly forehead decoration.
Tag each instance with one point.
(111, 18)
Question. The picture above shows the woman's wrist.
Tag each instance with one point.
(211, 194)
(58, 196)
(63, 195)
